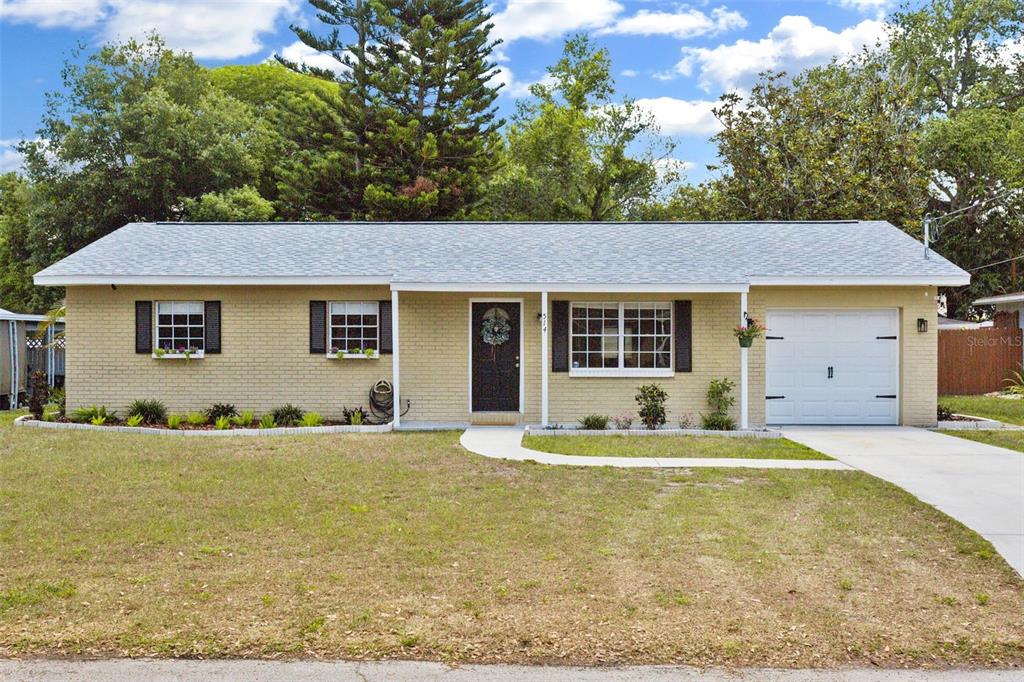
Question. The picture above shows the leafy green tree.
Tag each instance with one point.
(416, 82)
(310, 154)
(239, 204)
(16, 260)
(839, 141)
(969, 89)
(574, 154)
(137, 130)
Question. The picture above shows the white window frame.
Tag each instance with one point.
(621, 370)
(330, 326)
(169, 355)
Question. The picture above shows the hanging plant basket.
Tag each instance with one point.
(746, 341)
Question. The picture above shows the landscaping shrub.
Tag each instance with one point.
(267, 421)
(685, 420)
(58, 398)
(223, 423)
(311, 419)
(623, 421)
(943, 414)
(40, 395)
(98, 420)
(218, 410)
(286, 415)
(651, 399)
(91, 413)
(196, 418)
(720, 399)
(594, 422)
(244, 418)
(151, 411)
(353, 417)
(133, 420)
(174, 421)
(1015, 384)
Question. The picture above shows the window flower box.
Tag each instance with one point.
(355, 354)
(161, 354)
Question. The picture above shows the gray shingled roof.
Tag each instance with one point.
(509, 253)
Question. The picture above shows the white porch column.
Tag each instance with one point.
(395, 379)
(744, 398)
(544, 361)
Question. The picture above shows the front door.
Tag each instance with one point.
(494, 340)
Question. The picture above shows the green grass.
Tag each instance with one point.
(363, 546)
(672, 446)
(1009, 411)
(1014, 440)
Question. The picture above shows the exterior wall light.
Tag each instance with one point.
(922, 325)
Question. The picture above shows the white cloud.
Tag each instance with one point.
(513, 87)
(677, 166)
(682, 117)
(214, 30)
(53, 13)
(685, 23)
(301, 53)
(629, 73)
(547, 19)
(877, 7)
(796, 43)
(10, 158)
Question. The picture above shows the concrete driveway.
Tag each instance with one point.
(979, 485)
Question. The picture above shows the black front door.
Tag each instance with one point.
(495, 348)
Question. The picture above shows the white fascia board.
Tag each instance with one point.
(562, 287)
(25, 317)
(868, 281)
(996, 300)
(182, 280)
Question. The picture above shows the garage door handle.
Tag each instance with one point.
(893, 396)
(830, 372)
(774, 338)
(887, 338)
(774, 397)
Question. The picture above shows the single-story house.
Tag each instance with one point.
(955, 324)
(1009, 309)
(508, 322)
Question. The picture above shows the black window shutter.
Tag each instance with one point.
(318, 326)
(559, 336)
(144, 327)
(684, 336)
(211, 318)
(384, 319)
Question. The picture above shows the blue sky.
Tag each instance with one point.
(675, 58)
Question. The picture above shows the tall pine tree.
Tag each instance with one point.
(416, 79)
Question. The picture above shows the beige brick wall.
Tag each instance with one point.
(265, 360)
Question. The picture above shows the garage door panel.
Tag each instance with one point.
(864, 366)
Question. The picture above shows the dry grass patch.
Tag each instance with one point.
(404, 545)
(672, 446)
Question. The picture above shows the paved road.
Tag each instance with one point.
(979, 485)
(408, 671)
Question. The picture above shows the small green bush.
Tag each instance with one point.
(244, 418)
(623, 421)
(311, 419)
(594, 422)
(353, 417)
(98, 420)
(87, 414)
(720, 399)
(174, 421)
(196, 418)
(40, 388)
(267, 421)
(651, 399)
(222, 423)
(151, 411)
(58, 398)
(133, 420)
(218, 410)
(286, 415)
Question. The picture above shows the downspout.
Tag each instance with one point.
(395, 379)
(12, 328)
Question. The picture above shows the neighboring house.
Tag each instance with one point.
(17, 359)
(1009, 309)
(952, 323)
(509, 322)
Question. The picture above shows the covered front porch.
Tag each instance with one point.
(551, 355)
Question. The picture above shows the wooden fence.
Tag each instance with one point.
(975, 361)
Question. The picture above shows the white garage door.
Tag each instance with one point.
(832, 367)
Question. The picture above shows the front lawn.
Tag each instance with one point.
(1014, 440)
(407, 546)
(1009, 411)
(672, 446)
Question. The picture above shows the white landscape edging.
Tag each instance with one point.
(749, 433)
(26, 420)
(979, 423)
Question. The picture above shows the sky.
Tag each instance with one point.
(674, 58)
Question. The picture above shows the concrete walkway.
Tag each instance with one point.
(980, 485)
(505, 442)
(124, 670)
